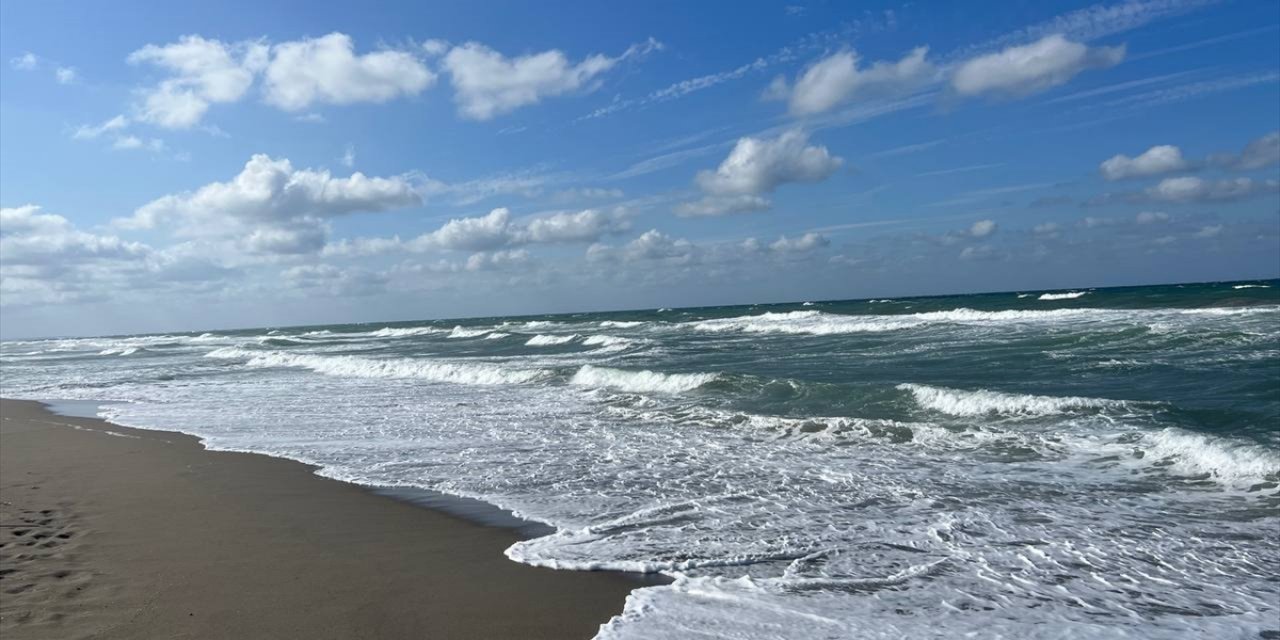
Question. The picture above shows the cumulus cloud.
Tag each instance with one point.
(202, 72)
(275, 207)
(1263, 152)
(838, 78)
(65, 75)
(487, 83)
(655, 245)
(801, 244)
(497, 260)
(328, 70)
(1154, 161)
(584, 226)
(982, 228)
(1151, 217)
(757, 166)
(298, 239)
(1023, 70)
(44, 259)
(1194, 189)
(1046, 229)
(296, 74)
(1210, 231)
(472, 234)
(26, 62)
(496, 230)
(980, 252)
(721, 205)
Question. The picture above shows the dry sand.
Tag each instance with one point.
(111, 532)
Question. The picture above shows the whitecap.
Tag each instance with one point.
(1068, 295)
(958, 402)
(543, 340)
(360, 367)
(463, 332)
(639, 381)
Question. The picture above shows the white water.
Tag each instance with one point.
(799, 474)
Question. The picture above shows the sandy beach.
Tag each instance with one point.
(111, 532)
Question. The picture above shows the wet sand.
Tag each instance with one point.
(110, 532)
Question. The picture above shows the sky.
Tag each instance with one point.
(177, 166)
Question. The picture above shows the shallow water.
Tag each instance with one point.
(1089, 463)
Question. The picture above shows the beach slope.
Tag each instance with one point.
(111, 532)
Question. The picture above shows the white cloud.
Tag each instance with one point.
(982, 228)
(327, 70)
(757, 166)
(487, 83)
(65, 75)
(25, 62)
(496, 230)
(655, 245)
(133, 142)
(30, 237)
(203, 72)
(837, 78)
(271, 193)
(1026, 69)
(1193, 189)
(802, 244)
(981, 252)
(584, 226)
(297, 239)
(296, 74)
(497, 260)
(1210, 231)
(720, 205)
(1263, 152)
(491, 231)
(87, 132)
(587, 193)
(1154, 161)
(1046, 229)
(348, 158)
(435, 47)
(1151, 217)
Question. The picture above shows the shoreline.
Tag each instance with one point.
(111, 531)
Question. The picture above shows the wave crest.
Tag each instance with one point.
(958, 402)
(360, 367)
(643, 381)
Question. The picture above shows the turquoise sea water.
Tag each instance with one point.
(1090, 463)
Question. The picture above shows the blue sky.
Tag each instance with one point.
(232, 164)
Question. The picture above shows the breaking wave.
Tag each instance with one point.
(543, 340)
(958, 402)
(1195, 454)
(1068, 295)
(463, 332)
(803, 322)
(400, 332)
(360, 367)
(643, 381)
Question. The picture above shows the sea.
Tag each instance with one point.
(1089, 463)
